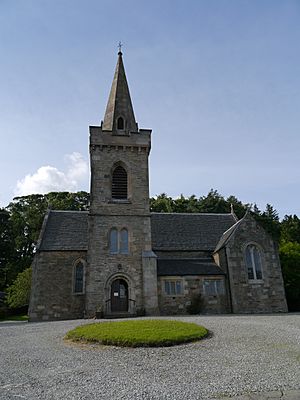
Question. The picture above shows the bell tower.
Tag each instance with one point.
(121, 267)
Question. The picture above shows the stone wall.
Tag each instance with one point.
(53, 297)
(250, 296)
(192, 286)
(103, 266)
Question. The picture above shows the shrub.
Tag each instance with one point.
(18, 293)
(196, 304)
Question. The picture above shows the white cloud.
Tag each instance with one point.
(50, 179)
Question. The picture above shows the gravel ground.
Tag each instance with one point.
(245, 354)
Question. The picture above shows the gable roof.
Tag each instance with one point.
(68, 230)
(188, 266)
(226, 236)
(188, 232)
(64, 230)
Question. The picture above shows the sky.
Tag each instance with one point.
(217, 81)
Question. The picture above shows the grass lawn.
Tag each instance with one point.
(15, 318)
(141, 333)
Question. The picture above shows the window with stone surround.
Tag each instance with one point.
(113, 241)
(173, 287)
(119, 189)
(120, 123)
(79, 277)
(253, 262)
(118, 241)
(213, 287)
(123, 243)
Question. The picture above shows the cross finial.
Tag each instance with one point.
(120, 47)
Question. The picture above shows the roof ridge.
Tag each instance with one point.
(69, 211)
(183, 213)
(187, 258)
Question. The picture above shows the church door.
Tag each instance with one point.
(119, 296)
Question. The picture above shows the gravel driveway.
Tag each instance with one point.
(245, 354)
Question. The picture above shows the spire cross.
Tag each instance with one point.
(120, 47)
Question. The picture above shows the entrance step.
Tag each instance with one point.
(119, 315)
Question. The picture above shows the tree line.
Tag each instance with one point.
(21, 221)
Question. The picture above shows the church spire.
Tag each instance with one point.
(119, 115)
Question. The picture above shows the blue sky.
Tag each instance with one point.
(217, 81)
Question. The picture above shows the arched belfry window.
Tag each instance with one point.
(79, 277)
(253, 262)
(119, 184)
(120, 123)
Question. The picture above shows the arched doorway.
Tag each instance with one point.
(119, 296)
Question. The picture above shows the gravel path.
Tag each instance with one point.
(246, 354)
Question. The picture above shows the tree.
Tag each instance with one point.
(161, 203)
(290, 229)
(18, 293)
(213, 203)
(21, 223)
(6, 246)
(290, 261)
(269, 220)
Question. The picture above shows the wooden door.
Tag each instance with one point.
(119, 296)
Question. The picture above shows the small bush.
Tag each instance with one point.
(142, 333)
(18, 293)
(196, 305)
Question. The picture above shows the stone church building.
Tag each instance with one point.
(118, 259)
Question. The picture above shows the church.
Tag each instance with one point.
(120, 260)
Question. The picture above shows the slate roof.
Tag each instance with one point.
(68, 230)
(65, 230)
(188, 266)
(227, 235)
(188, 232)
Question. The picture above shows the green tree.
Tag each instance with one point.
(21, 222)
(6, 246)
(18, 293)
(290, 229)
(186, 204)
(290, 261)
(78, 201)
(213, 203)
(161, 203)
(269, 220)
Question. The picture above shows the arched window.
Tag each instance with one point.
(118, 241)
(119, 184)
(253, 262)
(120, 123)
(124, 241)
(113, 241)
(78, 277)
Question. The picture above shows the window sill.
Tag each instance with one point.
(255, 281)
(119, 201)
(119, 254)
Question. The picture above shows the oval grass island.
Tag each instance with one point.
(141, 333)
